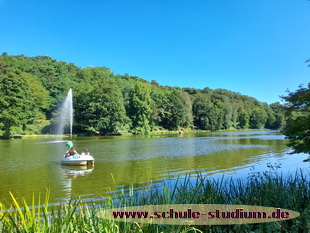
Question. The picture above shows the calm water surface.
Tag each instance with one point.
(31, 166)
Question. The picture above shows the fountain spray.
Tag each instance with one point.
(66, 115)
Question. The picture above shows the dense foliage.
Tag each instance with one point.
(33, 87)
(297, 128)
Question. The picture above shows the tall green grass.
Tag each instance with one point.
(261, 189)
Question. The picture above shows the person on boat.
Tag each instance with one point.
(71, 151)
(85, 152)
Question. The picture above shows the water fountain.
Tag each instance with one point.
(64, 119)
(65, 115)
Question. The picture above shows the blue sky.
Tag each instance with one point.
(257, 48)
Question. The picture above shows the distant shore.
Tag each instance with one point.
(126, 133)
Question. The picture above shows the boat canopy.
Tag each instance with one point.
(69, 145)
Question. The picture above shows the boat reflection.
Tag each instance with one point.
(76, 171)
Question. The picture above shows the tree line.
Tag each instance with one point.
(31, 89)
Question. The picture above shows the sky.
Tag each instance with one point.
(256, 48)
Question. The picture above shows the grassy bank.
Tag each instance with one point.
(190, 131)
(40, 136)
(260, 189)
(126, 133)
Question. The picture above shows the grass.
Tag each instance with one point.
(261, 189)
(126, 133)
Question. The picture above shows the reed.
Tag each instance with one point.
(261, 189)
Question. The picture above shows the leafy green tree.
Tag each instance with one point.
(139, 108)
(38, 92)
(101, 109)
(278, 111)
(191, 91)
(258, 118)
(159, 107)
(96, 74)
(16, 103)
(176, 111)
(188, 114)
(227, 115)
(235, 106)
(154, 82)
(201, 106)
(208, 115)
(216, 116)
(243, 119)
(271, 119)
(297, 128)
(149, 106)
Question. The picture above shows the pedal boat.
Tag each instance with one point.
(78, 160)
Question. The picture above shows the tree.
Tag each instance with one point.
(101, 110)
(278, 111)
(17, 106)
(139, 108)
(159, 107)
(258, 118)
(176, 112)
(227, 115)
(201, 106)
(216, 116)
(188, 114)
(271, 119)
(297, 129)
(154, 82)
(148, 105)
(243, 119)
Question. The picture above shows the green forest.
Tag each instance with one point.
(31, 89)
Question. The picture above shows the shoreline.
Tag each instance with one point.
(122, 133)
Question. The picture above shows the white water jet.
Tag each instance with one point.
(65, 115)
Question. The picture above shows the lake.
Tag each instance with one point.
(31, 165)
